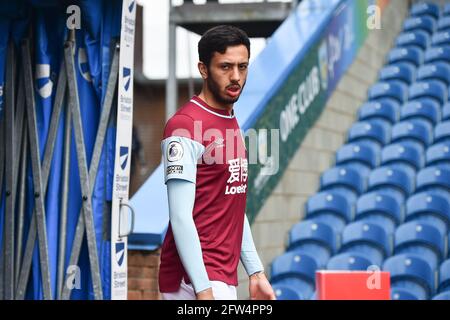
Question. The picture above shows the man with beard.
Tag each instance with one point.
(206, 170)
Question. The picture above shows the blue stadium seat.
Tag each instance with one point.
(331, 208)
(433, 89)
(412, 55)
(439, 154)
(348, 261)
(446, 112)
(442, 296)
(346, 181)
(411, 273)
(414, 131)
(404, 72)
(444, 276)
(314, 238)
(392, 90)
(375, 132)
(442, 132)
(428, 110)
(443, 24)
(386, 110)
(435, 71)
(287, 292)
(395, 181)
(434, 178)
(398, 153)
(367, 239)
(446, 11)
(402, 294)
(358, 155)
(441, 38)
(416, 38)
(424, 9)
(421, 239)
(430, 207)
(295, 269)
(424, 23)
(438, 54)
(382, 209)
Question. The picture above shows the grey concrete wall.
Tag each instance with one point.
(285, 206)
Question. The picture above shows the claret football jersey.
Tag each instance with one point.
(205, 146)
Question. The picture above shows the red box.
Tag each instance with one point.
(353, 285)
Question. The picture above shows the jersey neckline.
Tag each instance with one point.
(217, 112)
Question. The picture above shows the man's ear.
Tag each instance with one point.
(203, 70)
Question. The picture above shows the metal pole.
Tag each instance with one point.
(48, 155)
(2, 163)
(98, 146)
(2, 152)
(10, 182)
(36, 168)
(21, 206)
(64, 201)
(83, 170)
(21, 143)
(171, 84)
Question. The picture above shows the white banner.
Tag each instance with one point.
(119, 220)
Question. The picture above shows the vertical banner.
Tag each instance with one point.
(119, 283)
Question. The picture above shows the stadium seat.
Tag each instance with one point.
(434, 178)
(380, 208)
(411, 273)
(439, 154)
(444, 277)
(403, 72)
(331, 208)
(416, 38)
(446, 112)
(314, 238)
(443, 24)
(438, 54)
(392, 90)
(414, 132)
(428, 110)
(402, 294)
(405, 154)
(412, 55)
(373, 132)
(367, 239)
(433, 89)
(430, 207)
(346, 181)
(442, 132)
(360, 156)
(395, 181)
(287, 292)
(422, 239)
(435, 71)
(294, 269)
(387, 111)
(424, 9)
(442, 296)
(424, 23)
(441, 38)
(348, 261)
(446, 11)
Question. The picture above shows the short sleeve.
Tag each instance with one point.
(180, 152)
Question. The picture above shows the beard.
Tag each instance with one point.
(214, 88)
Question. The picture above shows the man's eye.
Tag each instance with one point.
(225, 67)
(243, 67)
